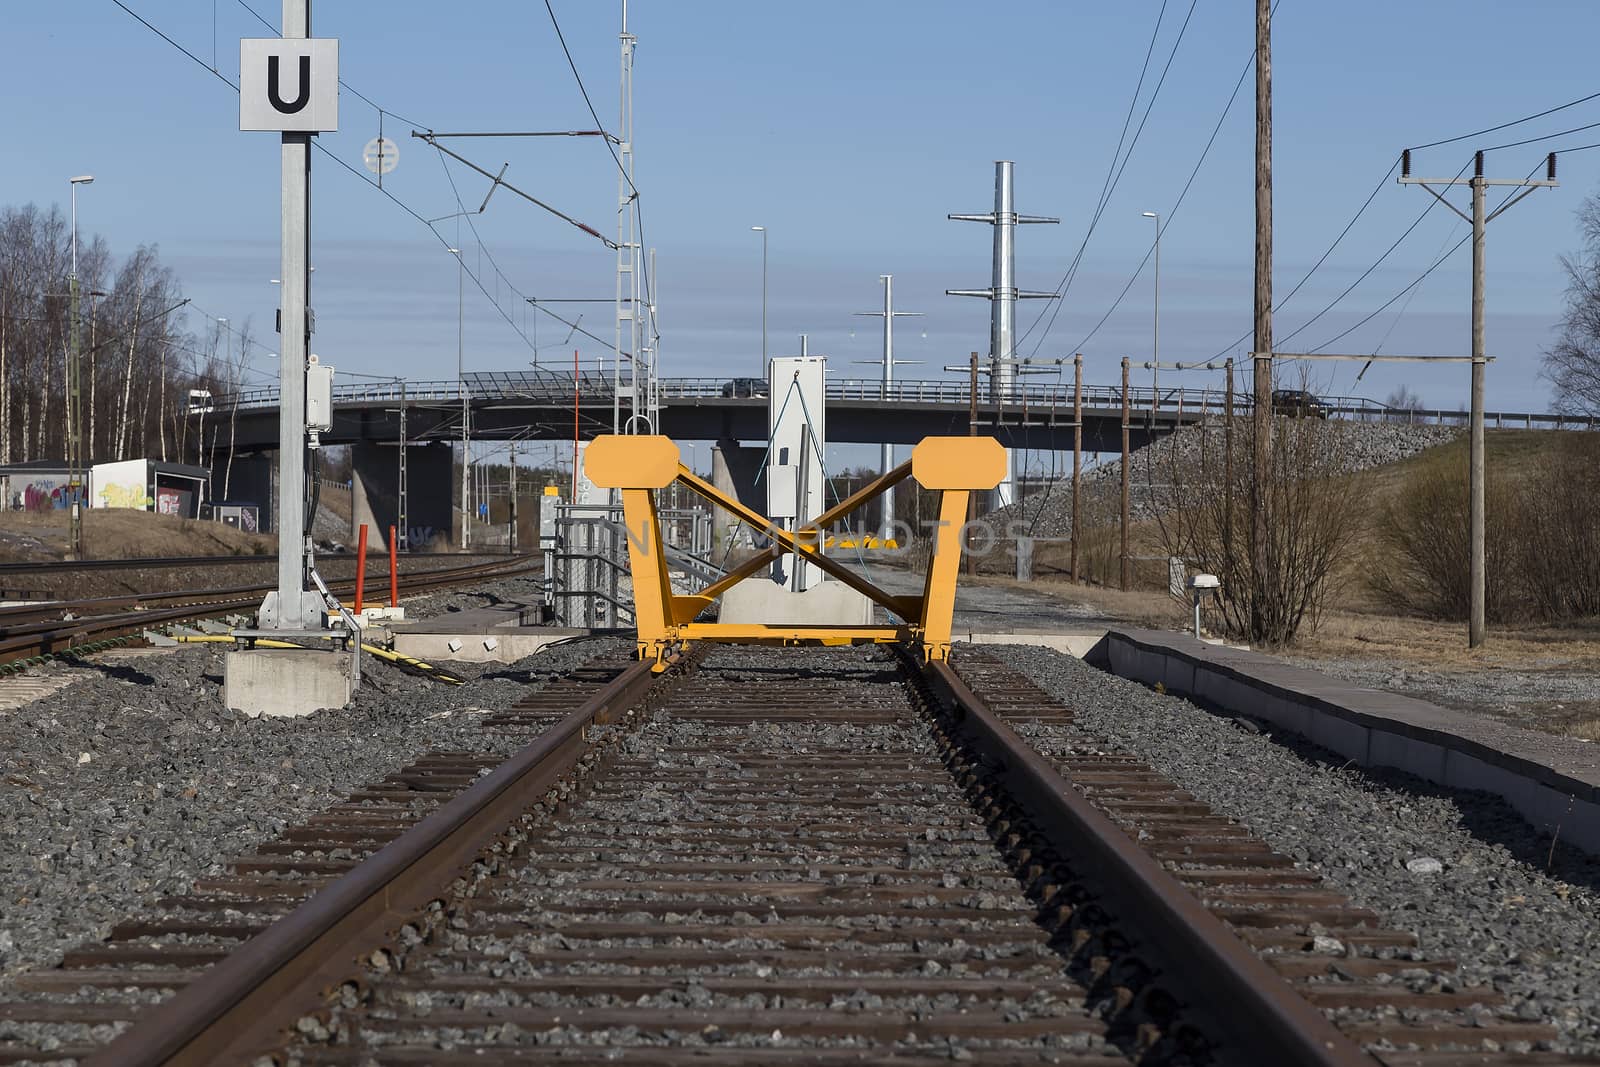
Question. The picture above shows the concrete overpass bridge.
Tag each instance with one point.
(530, 405)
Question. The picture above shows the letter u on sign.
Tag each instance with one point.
(289, 85)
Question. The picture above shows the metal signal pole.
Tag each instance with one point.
(886, 451)
(1480, 220)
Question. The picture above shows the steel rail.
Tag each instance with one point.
(52, 610)
(45, 639)
(58, 566)
(244, 1005)
(1252, 1008)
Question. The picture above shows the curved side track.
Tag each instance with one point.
(41, 630)
(775, 857)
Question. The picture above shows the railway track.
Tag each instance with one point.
(766, 856)
(29, 631)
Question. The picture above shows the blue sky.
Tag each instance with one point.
(850, 131)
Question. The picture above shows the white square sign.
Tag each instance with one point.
(289, 84)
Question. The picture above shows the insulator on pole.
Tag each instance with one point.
(1477, 162)
(1405, 163)
(1550, 167)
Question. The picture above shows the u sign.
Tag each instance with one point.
(289, 85)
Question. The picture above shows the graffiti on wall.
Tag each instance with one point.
(37, 494)
(125, 496)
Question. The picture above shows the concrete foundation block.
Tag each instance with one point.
(286, 681)
(824, 604)
(502, 646)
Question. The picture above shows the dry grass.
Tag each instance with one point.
(117, 534)
(1427, 643)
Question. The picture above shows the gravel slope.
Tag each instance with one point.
(135, 779)
(1362, 445)
(1518, 915)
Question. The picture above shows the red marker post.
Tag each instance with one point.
(361, 566)
(394, 569)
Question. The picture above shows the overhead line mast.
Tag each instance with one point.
(1003, 295)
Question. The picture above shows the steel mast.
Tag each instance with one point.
(1003, 295)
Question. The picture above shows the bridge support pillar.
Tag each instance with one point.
(734, 468)
(375, 493)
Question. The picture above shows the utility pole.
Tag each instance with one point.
(1227, 466)
(512, 505)
(1480, 220)
(1077, 452)
(886, 451)
(1262, 350)
(1126, 412)
(75, 392)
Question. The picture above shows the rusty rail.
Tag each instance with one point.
(24, 632)
(248, 1002)
(1267, 1019)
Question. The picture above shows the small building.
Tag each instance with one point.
(149, 485)
(39, 485)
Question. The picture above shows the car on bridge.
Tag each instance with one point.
(1299, 403)
(744, 387)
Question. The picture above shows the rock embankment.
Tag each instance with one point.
(1359, 445)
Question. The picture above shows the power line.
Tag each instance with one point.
(1114, 172)
(638, 208)
(1505, 125)
(1375, 265)
(1546, 137)
(318, 145)
(343, 84)
(1423, 276)
(1172, 211)
(1323, 258)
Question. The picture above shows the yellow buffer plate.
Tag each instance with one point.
(958, 463)
(641, 461)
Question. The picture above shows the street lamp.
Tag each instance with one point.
(1155, 368)
(74, 391)
(762, 230)
(461, 387)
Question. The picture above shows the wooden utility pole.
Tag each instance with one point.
(1077, 452)
(1126, 412)
(1262, 348)
(1227, 467)
(1480, 219)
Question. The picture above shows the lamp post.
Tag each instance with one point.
(466, 409)
(1155, 359)
(74, 391)
(762, 230)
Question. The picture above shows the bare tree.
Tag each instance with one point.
(1572, 365)
(1312, 516)
(1403, 405)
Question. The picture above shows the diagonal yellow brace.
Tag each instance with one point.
(865, 495)
(904, 607)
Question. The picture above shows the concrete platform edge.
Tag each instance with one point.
(1390, 731)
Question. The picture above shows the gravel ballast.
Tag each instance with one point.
(1517, 914)
(134, 780)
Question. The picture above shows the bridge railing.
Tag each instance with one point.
(1023, 397)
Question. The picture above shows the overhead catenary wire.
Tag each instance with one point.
(1279, 305)
(1166, 220)
(326, 152)
(1421, 277)
(638, 208)
(1113, 178)
(1507, 125)
(1374, 266)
